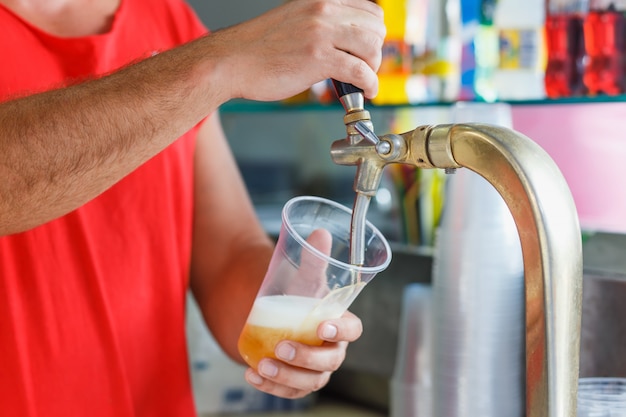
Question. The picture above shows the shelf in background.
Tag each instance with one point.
(246, 106)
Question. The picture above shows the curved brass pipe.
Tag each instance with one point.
(547, 222)
(543, 209)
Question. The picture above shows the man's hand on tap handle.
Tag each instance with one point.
(303, 42)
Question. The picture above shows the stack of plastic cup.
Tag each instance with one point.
(411, 384)
(478, 296)
(602, 397)
(478, 305)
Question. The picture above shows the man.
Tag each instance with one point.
(118, 192)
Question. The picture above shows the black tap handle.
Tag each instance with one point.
(343, 89)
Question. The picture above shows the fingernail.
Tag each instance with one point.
(254, 378)
(268, 369)
(286, 351)
(329, 331)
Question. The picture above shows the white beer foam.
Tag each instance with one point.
(291, 311)
(277, 311)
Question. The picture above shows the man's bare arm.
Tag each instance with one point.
(62, 148)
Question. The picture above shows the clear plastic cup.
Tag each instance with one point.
(310, 278)
(602, 397)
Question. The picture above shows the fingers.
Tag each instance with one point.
(362, 36)
(293, 46)
(322, 240)
(302, 382)
(347, 328)
(358, 41)
(301, 369)
(313, 267)
(311, 279)
(369, 6)
(353, 70)
(346, 39)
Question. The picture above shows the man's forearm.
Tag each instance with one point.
(64, 147)
(60, 149)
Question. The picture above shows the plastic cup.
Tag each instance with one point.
(309, 278)
(602, 397)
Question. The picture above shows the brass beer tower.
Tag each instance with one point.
(544, 212)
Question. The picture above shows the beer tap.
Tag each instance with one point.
(360, 137)
(545, 215)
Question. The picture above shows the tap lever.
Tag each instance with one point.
(382, 147)
(366, 132)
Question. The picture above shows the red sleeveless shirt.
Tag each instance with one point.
(92, 304)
